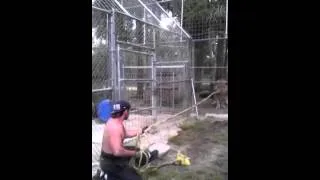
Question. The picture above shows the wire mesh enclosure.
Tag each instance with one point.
(162, 56)
(140, 54)
(206, 22)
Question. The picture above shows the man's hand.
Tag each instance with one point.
(133, 133)
(143, 129)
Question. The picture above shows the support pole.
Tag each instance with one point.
(173, 91)
(144, 27)
(160, 87)
(119, 72)
(181, 18)
(194, 97)
(226, 33)
(153, 77)
(112, 54)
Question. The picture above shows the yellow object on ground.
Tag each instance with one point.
(183, 159)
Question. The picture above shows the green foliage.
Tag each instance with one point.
(99, 21)
(197, 9)
(204, 19)
(100, 61)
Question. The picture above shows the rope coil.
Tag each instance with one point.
(140, 167)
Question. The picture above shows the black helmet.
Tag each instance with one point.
(120, 106)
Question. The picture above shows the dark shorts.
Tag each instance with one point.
(118, 168)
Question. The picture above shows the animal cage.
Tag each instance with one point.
(140, 53)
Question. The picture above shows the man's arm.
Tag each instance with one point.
(116, 144)
(131, 133)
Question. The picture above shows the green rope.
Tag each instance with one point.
(141, 168)
(132, 162)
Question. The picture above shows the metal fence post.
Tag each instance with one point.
(173, 91)
(112, 48)
(160, 89)
(192, 56)
(154, 78)
(153, 97)
(194, 97)
(119, 72)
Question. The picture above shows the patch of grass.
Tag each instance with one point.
(186, 126)
(184, 137)
(200, 137)
(164, 176)
(190, 131)
(222, 138)
(153, 173)
(175, 140)
(205, 174)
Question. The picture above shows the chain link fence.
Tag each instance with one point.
(146, 52)
(206, 22)
(210, 67)
(101, 71)
(141, 53)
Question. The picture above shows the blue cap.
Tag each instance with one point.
(104, 110)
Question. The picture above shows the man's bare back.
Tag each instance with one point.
(112, 129)
(114, 134)
(114, 159)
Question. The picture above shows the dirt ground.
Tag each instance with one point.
(206, 143)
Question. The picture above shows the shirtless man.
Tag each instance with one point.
(114, 159)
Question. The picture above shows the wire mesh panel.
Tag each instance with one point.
(175, 51)
(101, 63)
(141, 54)
(144, 51)
(101, 74)
(206, 22)
(210, 67)
(136, 75)
(138, 10)
(133, 31)
(108, 5)
(210, 60)
(174, 89)
(100, 59)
